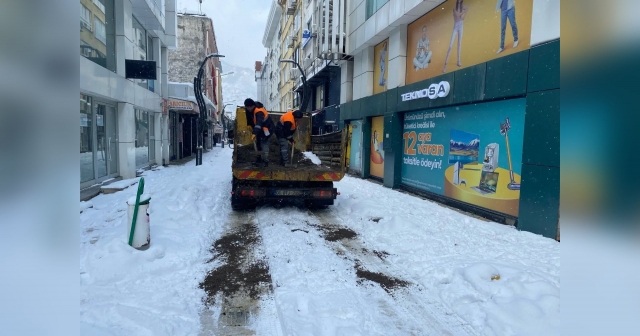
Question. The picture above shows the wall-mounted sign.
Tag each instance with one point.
(470, 153)
(461, 34)
(180, 105)
(306, 37)
(435, 90)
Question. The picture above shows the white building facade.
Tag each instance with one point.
(268, 74)
(123, 121)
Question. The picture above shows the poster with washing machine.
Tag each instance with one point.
(471, 153)
(376, 167)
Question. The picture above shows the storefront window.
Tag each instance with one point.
(86, 139)
(142, 138)
(97, 32)
(152, 138)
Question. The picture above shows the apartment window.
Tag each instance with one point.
(101, 31)
(85, 17)
(99, 4)
(97, 32)
(296, 22)
(373, 6)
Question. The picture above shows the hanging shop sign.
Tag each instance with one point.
(181, 105)
(470, 153)
(435, 90)
(306, 37)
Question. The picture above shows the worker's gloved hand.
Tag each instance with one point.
(290, 139)
(266, 132)
(253, 137)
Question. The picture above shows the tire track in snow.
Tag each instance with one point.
(426, 315)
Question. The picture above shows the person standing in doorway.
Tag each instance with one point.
(423, 53)
(459, 14)
(508, 11)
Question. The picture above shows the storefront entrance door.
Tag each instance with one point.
(106, 158)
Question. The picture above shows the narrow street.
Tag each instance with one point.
(378, 262)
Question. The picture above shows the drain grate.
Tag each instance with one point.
(235, 317)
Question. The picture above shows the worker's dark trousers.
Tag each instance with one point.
(284, 149)
(262, 143)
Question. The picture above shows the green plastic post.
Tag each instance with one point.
(135, 210)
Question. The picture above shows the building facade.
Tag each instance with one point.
(268, 75)
(458, 101)
(123, 121)
(312, 33)
(196, 39)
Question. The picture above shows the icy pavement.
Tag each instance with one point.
(379, 262)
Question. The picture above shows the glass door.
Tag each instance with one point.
(152, 138)
(101, 141)
(112, 141)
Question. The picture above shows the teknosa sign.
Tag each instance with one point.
(434, 91)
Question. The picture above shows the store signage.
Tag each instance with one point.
(180, 105)
(470, 153)
(435, 90)
(306, 37)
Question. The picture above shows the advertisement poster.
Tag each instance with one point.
(462, 33)
(381, 66)
(377, 152)
(470, 153)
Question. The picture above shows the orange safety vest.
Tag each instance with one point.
(289, 117)
(263, 110)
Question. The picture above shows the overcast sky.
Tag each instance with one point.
(239, 26)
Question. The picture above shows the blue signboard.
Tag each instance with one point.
(471, 153)
(306, 37)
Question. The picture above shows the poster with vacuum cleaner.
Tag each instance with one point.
(470, 153)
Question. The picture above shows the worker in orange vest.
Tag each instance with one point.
(284, 132)
(263, 127)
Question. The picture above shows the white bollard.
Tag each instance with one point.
(142, 235)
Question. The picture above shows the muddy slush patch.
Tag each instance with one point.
(386, 282)
(238, 275)
(334, 233)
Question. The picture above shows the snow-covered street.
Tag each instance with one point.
(378, 262)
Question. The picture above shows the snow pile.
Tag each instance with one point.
(154, 292)
(455, 257)
(314, 158)
(122, 184)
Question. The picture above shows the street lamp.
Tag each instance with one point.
(305, 91)
(197, 88)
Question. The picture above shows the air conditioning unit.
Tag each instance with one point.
(85, 25)
(307, 62)
(289, 42)
(291, 7)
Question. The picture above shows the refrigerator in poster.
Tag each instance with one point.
(376, 167)
(470, 153)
